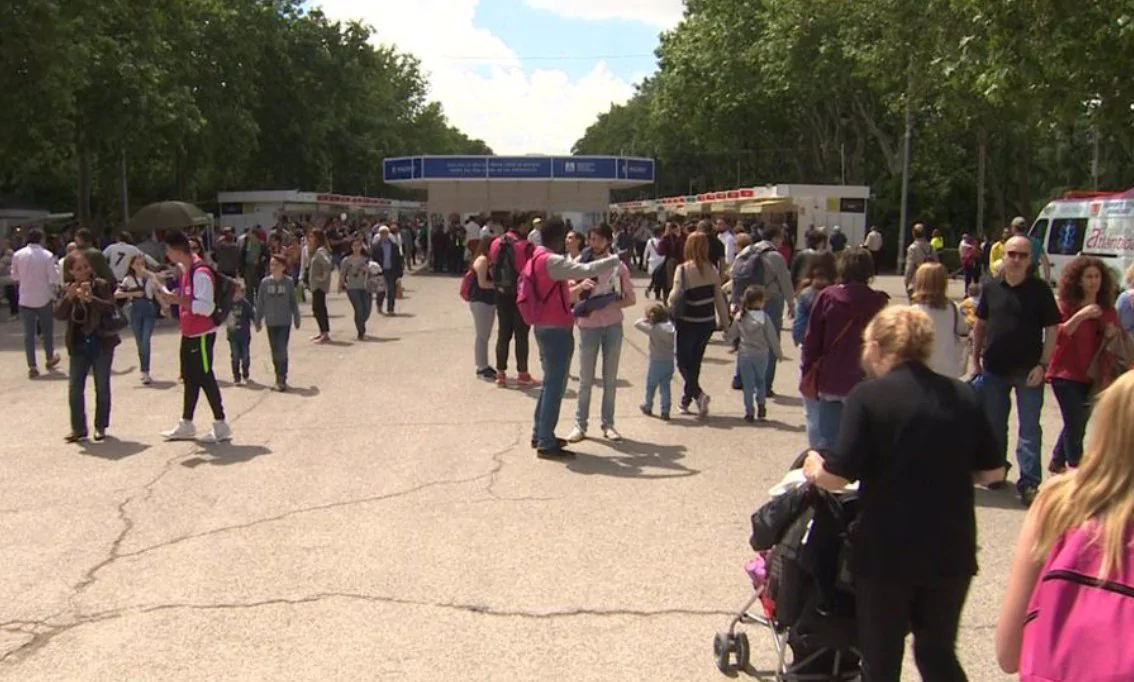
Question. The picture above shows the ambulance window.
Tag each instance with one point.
(1066, 236)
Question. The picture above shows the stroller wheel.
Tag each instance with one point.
(722, 647)
(740, 644)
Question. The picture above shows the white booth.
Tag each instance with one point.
(244, 210)
(573, 186)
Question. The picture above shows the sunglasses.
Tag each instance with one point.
(1018, 255)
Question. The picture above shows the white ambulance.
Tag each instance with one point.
(1100, 225)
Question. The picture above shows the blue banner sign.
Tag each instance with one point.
(582, 168)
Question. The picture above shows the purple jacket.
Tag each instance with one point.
(835, 308)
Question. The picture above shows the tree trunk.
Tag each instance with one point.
(83, 185)
(982, 175)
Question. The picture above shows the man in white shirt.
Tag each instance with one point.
(535, 235)
(122, 252)
(34, 270)
(472, 237)
(726, 237)
(873, 244)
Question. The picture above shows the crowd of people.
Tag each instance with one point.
(235, 284)
(910, 401)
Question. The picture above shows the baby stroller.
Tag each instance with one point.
(802, 586)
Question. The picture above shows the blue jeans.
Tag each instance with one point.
(1074, 400)
(143, 317)
(30, 317)
(277, 341)
(753, 372)
(240, 345)
(360, 301)
(609, 339)
(822, 418)
(82, 365)
(996, 393)
(774, 309)
(556, 346)
(391, 290)
(659, 377)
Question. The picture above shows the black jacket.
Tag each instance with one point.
(397, 261)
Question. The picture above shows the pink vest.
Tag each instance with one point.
(557, 311)
(1078, 630)
(194, 325)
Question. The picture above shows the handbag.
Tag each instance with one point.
(1114, 356)
(809, 382)
(112, 322)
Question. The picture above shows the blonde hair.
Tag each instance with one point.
(1129, 276)
(899, 334)
(1101, 489)
(930, 284)
(697, 249)
(743, 240)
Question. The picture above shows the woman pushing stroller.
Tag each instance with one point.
(916, 441)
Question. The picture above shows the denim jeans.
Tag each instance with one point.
(556, 346)
(822, 418)
(753, 380)
(240, 346)
(659, 378)
(360, 301)
(143, 317)
(996, 393)
(82, 365)
(774, 309)
(277, 341)
(1074, 400)
(30, 317)
(609, 340)
(391, 290)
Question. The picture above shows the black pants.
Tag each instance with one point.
(438, 259)
(972, 274)
(640, 255)
(391, 290)
(931, 610)
(197, 371)
(692, 340)
(657, 284)
(510, 324)
(319, 310)
(11, 292)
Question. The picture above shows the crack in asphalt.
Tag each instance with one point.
(42, 632)
(43, 638)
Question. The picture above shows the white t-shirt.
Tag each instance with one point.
(472, 230)
(874, 241)
(950, 330)
(729, 241)
(535, 237)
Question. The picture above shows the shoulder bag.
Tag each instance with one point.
(809, 382)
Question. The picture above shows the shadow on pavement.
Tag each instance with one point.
(225, 454)
(634, 459)
(156, 386)
(733, 422)
(789, 400)
(53, 375)
(1004, 498)
(380, 339)
(309, 392)
(113, 449)
(339, 344)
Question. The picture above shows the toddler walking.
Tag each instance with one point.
(239, 332)
(276, 305)
(659, 374)
(757, 337)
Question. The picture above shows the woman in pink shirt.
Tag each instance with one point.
(601, 329)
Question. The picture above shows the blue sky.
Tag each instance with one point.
(526, 76)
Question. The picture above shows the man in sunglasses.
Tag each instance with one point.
(1015, 332)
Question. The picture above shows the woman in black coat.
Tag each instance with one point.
(87, 306)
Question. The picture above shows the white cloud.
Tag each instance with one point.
(660, 13)
(487, 92)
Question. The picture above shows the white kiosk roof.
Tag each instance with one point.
(468, 184)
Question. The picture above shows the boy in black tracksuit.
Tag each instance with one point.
(239, 330)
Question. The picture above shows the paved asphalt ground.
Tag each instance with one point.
(387, 520)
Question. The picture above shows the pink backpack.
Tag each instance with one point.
(1076, 627)
(530, 302)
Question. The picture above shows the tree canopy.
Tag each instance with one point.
(201, 96)
(1007, 97)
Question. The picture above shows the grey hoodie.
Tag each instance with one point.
(756, 333)
(275, 303)
(661, 338)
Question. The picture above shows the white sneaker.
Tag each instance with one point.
(146, 380)
(703, 405)
(576, 435)
(220, 433)
(183, 431)
(611, 434)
